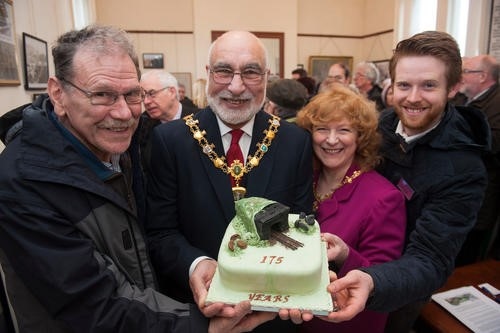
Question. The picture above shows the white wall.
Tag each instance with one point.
(188, 52)
(255, 15)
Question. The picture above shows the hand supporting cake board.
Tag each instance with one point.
(271, 275)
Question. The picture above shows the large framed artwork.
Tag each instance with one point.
(494, 32)
(9, 73)
(319, 65)
(36, 62)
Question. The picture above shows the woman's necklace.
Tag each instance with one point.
(237, 170)
(320, 198)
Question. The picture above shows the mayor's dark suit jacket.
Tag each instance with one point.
(190, 201)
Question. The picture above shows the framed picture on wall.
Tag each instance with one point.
(36, 62)
(494, 31)
(319, 65)
(152, 60)
(9, 73)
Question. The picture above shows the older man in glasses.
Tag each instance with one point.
(161, 104)
(480, 76)
(72, 254)
(203, 163)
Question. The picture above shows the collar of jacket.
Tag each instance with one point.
(46, 155)
(460, 128)
(92, 161)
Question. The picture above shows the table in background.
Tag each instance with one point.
(434, 318)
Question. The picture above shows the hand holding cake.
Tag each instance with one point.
(244, 320)
(351, 293)
(337, 250)
(199, 281)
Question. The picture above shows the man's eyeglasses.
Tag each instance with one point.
(248, 76)
(470, 71)
(108, 98)
(152, 93)
(336, 77)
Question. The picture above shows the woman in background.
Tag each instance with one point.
(361, 214)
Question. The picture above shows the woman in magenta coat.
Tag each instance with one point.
(361, 213)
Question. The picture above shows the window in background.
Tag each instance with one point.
(414, 16)
(424, 15)
(83, 13)
(458, 19)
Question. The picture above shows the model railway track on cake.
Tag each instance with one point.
(285, 240)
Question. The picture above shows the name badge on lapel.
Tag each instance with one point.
(405, 189)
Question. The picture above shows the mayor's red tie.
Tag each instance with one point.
(234, 151)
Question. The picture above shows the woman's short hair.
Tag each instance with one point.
(341, 103)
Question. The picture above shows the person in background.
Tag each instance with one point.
(387, 93)
(72, 254)
(480, 85)
(161, 103)
(197, 175)
(161, 97)
(339, 73)
(200, 93)
(185, 101)
(433, 153)
(284, 98)
(297, 73)
(363, 210)
(310, 85)
(366, 76)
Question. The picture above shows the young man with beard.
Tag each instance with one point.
(432, 153)
(190, 190)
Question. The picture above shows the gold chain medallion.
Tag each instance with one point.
(237, 169)
(320, 198)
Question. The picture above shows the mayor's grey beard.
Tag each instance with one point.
(231, 116)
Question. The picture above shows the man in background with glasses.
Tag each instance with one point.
(161, 97)
(480, 84)
(161, 104)
(72, 253)
(366, 77)
(192, 189)
(337, 73)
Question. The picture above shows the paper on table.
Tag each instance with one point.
(471, 307)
